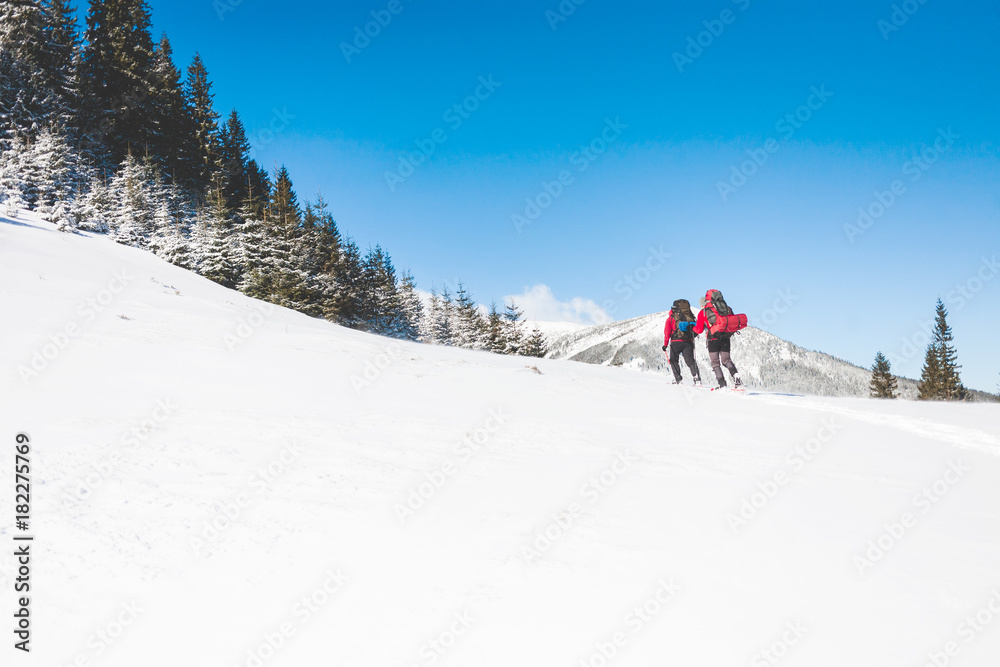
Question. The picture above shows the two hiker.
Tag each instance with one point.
(715, 317)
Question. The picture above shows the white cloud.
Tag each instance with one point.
(541, 305)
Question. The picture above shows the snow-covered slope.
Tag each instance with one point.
(764, 360)
(217, 483)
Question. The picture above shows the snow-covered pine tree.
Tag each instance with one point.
(411, 307)
(444, 319)
(60, 61)
(24, 97)
(347, 308)
(173, 227)
(883, 383)
(496, 335)
(211, 247)
(312, 287)
(513, 328)
(93, 210)
(428, 322)
(381, 311)
(131, 216)
(535, 344)
(55, 170)
(469, 328)
(12, 176)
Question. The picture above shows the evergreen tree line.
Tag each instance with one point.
(939, 377)
(457, 320)
(104, 134)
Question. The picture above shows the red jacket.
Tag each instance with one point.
(670, 328)
(701, 323)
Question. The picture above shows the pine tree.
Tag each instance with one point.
(347, 308)
(116, 76)
(60, 59)
(513, 328)
(234, 158)
(25, 95)
(131, 217)
(535, 345)
(411, 307)
(54, 166)
(259, 190)
(380, 303)
(444, 319)
(939, 379)
(173, 130)
(883, 383)
(496, 335)
(204, 120)
(469, 329)
(284, 206)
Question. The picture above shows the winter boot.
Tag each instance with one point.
(737, 382)
(697, 382)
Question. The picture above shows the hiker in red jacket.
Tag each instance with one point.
(718, 343)
(678, 335)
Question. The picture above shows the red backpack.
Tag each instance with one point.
(720, 316)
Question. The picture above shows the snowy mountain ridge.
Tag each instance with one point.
(764, 360)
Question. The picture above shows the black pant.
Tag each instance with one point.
(718, 352)
(685, 347)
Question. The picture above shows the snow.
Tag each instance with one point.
(180, 402)
(764, 360)
(553, 330)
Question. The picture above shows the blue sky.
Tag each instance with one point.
(673, 129)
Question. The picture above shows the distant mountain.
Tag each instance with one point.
(764, 360)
